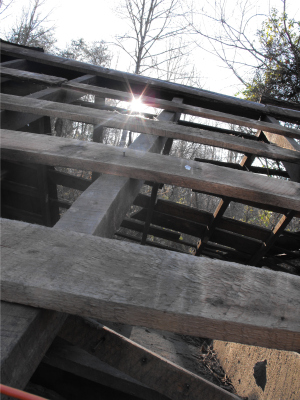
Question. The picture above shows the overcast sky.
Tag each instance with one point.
(97, 20)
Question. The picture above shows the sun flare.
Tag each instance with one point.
(137, 105)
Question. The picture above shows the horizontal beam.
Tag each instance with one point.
(48, 150)
(85, 275)
(251, 168)
(198, 96)
(32, 76)
(184, 109)
(68, 180)
(141, 125)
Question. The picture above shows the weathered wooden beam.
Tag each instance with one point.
(97, 157)
(140, 363)
(217, 215)
(229, 239)
(287, 143)
(68, 180)
(136, 124)
(195, 96)
(73, 359)
(279, 228)
(257, 170)
(32, 76)
(183, 108)
(25, 336)
(157, 289)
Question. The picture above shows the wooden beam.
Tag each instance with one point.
(68, 180)
(195, 96)
(136, 124)
(72, 359)
(32, 76)
(25, 337)
(97, 157)
(157, 289)
(229, 239)
(279, 228)
(257, 170)
(140, 363)
(183, 108)
(287, 143)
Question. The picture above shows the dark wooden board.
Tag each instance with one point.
(32, 76)
(195, 96)
(79, 362)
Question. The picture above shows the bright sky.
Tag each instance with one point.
(96, 20)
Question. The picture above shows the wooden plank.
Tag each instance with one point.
(287, 143)
(184, 108)
(195, 96)
(97, 157)
(32, 76)
(279, 228)
(85, 275)
(229, 239)
(68, 180)
(21, 352)
(137, 124)
(17, 120)
(150, 243)
(210, 228)
(257, 170)
(142, 364)
(72, 359)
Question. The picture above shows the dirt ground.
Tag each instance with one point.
(258, 373)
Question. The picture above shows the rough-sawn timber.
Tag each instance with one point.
(84, 275)
(147, 126)
(48, 150)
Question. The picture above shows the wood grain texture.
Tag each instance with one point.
(145, 366)
(42, 149)
(20, 351)
(32, 76)
(127, 283)
(137, 124)
(184, 108)
(216, 101)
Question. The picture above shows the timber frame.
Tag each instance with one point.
(230, 280)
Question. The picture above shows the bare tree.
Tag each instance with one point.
(260, 49)
(33, 28)
(150, 23)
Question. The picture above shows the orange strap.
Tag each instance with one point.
(18, 394)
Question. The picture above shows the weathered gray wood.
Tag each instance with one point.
(84, 275)
(184, 108)
(139, 362)
(32, 76)
(98, 211)
(287, 143)
(20, 351)
(215, 100)
(42, 149)
(72, 359)
(136, 124)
